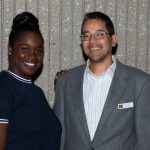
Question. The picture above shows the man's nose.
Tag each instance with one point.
(92, 38)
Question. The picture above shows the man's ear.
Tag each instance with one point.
(84, 56)
(114, 40)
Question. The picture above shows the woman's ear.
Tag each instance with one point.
(9, 50)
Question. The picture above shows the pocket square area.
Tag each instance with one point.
(125, 105)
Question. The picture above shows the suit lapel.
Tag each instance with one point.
(77, 97)
(117, 87)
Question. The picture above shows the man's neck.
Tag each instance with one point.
(100, 67)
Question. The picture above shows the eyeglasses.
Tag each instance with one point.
(98, 36)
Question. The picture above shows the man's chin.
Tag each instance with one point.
(97, 60)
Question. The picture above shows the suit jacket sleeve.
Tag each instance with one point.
(59, 108)
(142, 117)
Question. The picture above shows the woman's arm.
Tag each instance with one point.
(3, 135)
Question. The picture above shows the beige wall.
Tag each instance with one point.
(60, 22)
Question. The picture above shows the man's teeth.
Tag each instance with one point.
(94, 48)
(29, 64)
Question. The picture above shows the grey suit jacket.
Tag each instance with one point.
(125, 120)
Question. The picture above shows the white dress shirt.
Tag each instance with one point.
(95, 91)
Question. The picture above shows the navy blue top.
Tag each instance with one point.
(32, 125)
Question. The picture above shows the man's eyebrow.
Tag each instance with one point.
(98, 30)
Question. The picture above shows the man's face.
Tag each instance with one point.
(99, 44)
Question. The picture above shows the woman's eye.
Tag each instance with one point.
(40, 49)
(25, 48)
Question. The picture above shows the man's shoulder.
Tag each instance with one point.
(77, 69)
(131, 71)
(73, 72)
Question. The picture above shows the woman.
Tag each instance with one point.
(26, 120)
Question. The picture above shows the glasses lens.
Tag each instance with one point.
(97, 36)
(85, 37)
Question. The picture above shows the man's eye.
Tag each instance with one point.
(100, 34)
(86, 35)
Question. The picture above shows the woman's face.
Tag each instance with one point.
(26, 55)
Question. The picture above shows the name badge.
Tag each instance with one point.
(125, 105)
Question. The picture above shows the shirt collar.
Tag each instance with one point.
(110, 71)
(18, 77)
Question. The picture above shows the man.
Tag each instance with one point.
(103, 104)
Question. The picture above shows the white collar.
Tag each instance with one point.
(18, 77)
(110, 70)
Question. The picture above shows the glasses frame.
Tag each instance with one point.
(101, 36)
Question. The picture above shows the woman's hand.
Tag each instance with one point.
(58, 74)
